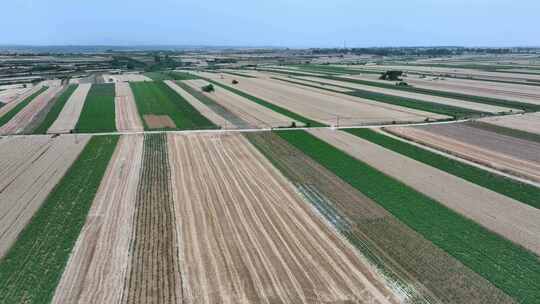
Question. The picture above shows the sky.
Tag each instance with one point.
(279, 23)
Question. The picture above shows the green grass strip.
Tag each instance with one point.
(156, 98)
(308, 122)
(55, 110)
(432, 107)
(509, 267)
(32, 268)
(505, 131)
(522, 192)
(240, 74)
(98, 113)
(478, 99)
(170, 75)
(11, 113)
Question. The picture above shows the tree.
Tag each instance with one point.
(391, 75)
(235, 81)
(208, 88)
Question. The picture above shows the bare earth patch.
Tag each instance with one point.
(159, 121)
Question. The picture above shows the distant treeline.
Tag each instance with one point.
(422, 51)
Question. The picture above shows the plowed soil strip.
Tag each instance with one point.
(30, 167)
(529, 123)
(126, 114)
(14, 106)
(68, 117)
(30, 271)
(511, 268)
(98, 265)
(248, 237)
(154, 273)
(428, 275)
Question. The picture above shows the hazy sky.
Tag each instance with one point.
(293, 23)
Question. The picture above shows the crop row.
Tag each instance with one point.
(33, 266)
(509, 267)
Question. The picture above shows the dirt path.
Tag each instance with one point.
(247, 237)
(98, 265)
(24, 117)
(68, 117)
(255, 114)
(325, 106)
(199, 106)
(29, 169)
(514, 220)
(154, 273)
(127, 116)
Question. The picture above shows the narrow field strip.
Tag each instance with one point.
(513, 269)
(508, 131)
(525, 193)
(70, 112)
(173, 75)
(126, 115)
(428, 275)
(99, 262)
(214, 106)
(6, 117)
(17, 98)
(248, 237)
(271, 106)
(162, 108)
(472, 98)
(456, 112)
(55, 110)
(30, 271)
(98, 112)
(154, 271)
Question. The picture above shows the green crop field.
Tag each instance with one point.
(55, 110)
(170, 75)
(519, 191)
(11, 113)
(32, 268)
(271, 106)
(511, 268)
(158, 99)
(98, 113)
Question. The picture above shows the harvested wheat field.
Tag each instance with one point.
(29, 169)
(246, 236)
(529, 122)
(68, 117)
(24, 117)
(100, 260)
(509, 154)
(512, 219)
(126, 113)
(254, 114)
(436, 99)
(155, 274)
(198, 105)
(325, 106)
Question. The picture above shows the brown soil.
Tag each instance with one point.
(159, 121)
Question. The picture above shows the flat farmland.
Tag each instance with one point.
(24, 118)
(67, 119)
(10, 111)
(325, 106)
(107, 78)
(529, 122)
(509, 218)
(30, 167)
(198, 105)
(255, 114)
(126, 115)
(248, 237)
(25, 97)
(31, 269)
(157, 99)
(506, 153)
(100, 259)
(51, 112)
(98, 112)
